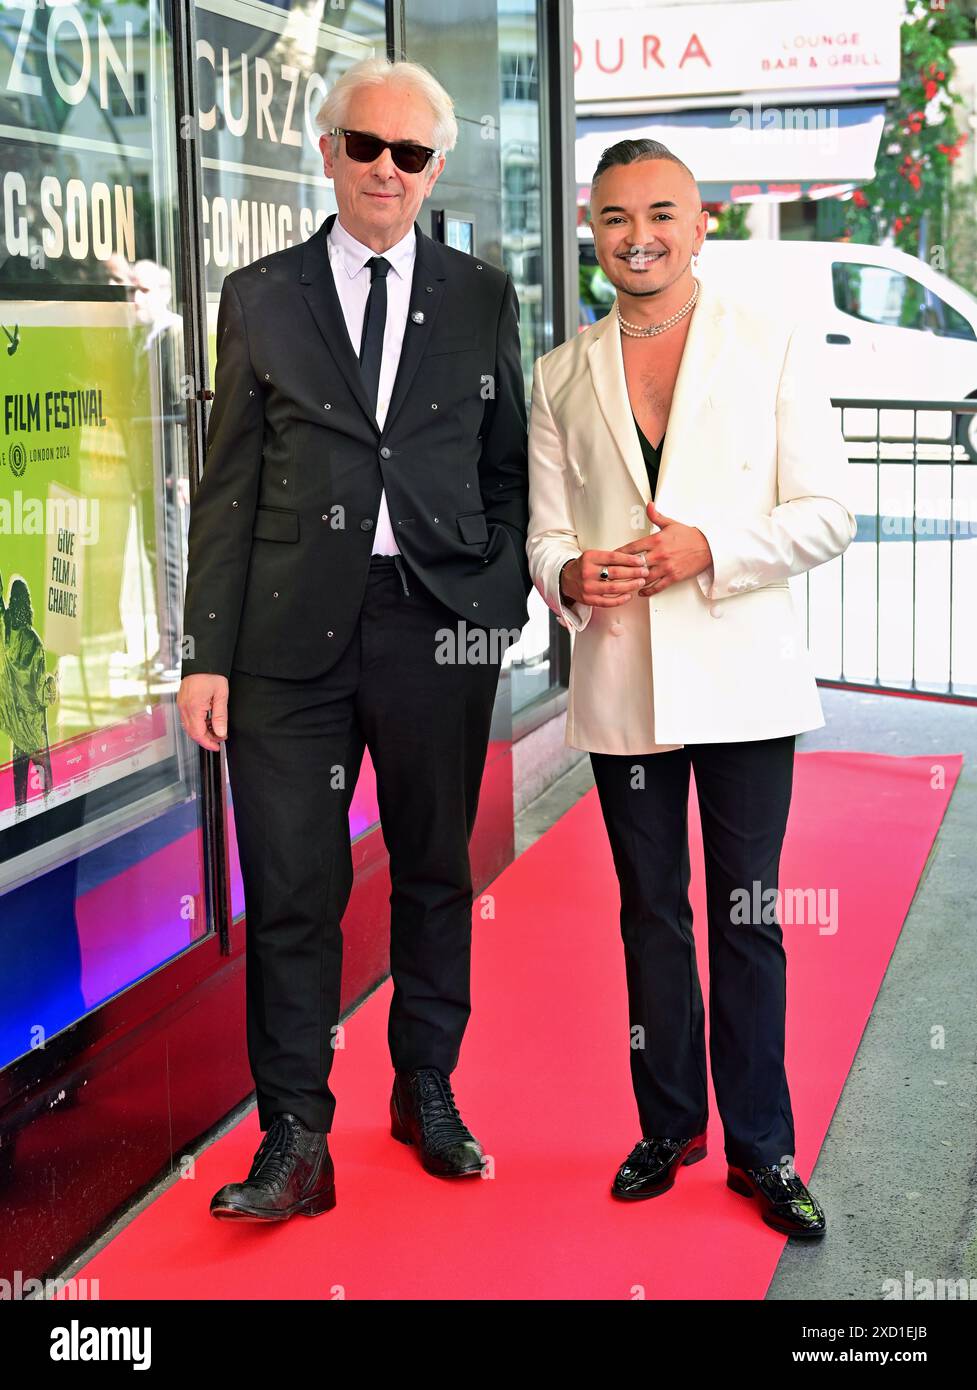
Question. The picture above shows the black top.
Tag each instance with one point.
(652, 455)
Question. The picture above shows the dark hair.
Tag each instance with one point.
(633, 152)
(20, 611)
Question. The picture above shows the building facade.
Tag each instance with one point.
(146, 150)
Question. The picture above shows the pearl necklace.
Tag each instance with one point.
(636, 330)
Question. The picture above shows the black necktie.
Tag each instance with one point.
(374, 321)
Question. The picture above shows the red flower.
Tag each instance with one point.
(911, 169)
(952, 152)
(859, 199)
(931, 88)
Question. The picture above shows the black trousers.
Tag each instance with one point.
(294, 749)
(744, 792)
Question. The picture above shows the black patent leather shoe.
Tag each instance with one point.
(651, 1166)
(423, 1113)
(292, 1173)
(785, 1203)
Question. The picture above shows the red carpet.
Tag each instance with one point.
(544, 1083)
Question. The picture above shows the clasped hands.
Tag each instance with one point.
(644, 566)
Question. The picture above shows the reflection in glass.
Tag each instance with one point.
(262, 74)
(100, 849)
(522, 254)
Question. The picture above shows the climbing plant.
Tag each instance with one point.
(908, 200)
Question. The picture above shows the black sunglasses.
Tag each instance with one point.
(407, 156)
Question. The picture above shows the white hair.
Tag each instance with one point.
(378, 72)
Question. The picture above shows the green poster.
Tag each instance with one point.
(79, 463)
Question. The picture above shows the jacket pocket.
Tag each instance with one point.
(275, 524)
(473, 527)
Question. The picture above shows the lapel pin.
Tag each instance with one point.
(418, 316)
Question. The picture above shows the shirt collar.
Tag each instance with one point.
(353, 255)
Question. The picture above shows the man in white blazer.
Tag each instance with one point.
(667, 552)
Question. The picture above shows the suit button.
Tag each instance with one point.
(366, 524)
(716, 611)
(384, 452)
(329, 634)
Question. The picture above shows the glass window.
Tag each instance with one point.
(519, 76)
(879, 295)
(124, 105)
(950, 322)
(101, 862)
(263, 183)
(523, 255)
(522, 192)
(596, 291)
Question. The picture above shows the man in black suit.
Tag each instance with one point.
(365, 492)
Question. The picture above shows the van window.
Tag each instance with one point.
(876, 294)
(950, 322)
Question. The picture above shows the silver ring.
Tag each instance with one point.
(604, 574)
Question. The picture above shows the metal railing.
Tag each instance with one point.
(883, 617)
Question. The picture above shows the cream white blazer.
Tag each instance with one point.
(754, 456)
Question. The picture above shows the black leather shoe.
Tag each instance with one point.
(785, 1203)
(650, 1167)
(423, 1112)
(292, 1172)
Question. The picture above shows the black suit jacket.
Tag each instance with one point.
(282, 522)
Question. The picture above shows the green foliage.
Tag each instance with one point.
(731, 223)
(908, 198)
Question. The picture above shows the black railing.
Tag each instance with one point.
(881, 621)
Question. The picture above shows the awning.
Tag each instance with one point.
(744, 154)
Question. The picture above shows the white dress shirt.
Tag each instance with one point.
(348, 258)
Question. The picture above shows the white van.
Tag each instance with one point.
(896, 328)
